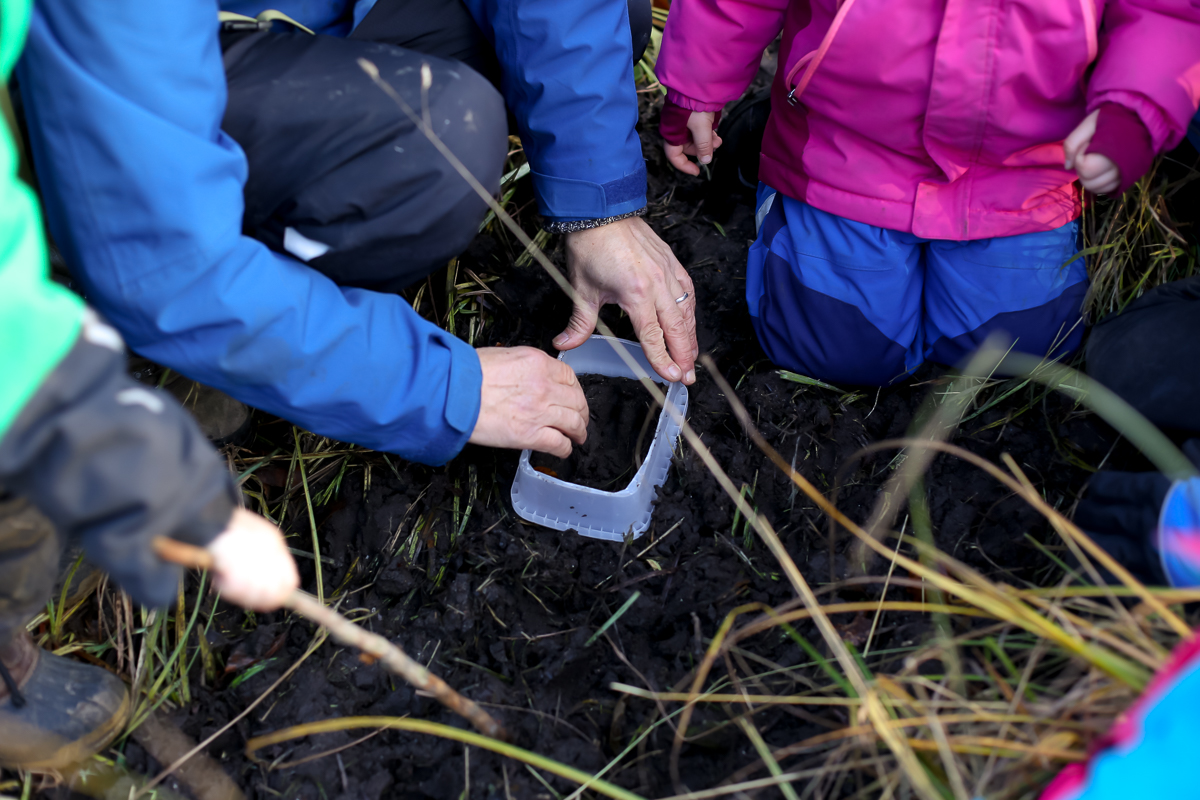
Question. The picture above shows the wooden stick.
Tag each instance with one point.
(347, 633)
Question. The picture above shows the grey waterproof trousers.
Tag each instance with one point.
(321, 139)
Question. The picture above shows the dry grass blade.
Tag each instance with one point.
(149, 788)
(446, 732)
(1133, 244)
(201, 774)
(1065, 527)
(1152, 442)
(1070, 632)
(943, 417)
(874, 710)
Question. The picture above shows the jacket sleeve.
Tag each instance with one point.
(115, 464)
(144, 194)
(711, 49)
(1149, 62)
(568, 78)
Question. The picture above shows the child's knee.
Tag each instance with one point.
(879, 363)
(822, 337)
(832, 299)
(1028, 288)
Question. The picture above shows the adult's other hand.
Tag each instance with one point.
(626, 263)
(529, 401)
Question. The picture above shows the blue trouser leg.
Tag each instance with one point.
(834, 299)
(1022, 286)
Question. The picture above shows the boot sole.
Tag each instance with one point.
(73, 754)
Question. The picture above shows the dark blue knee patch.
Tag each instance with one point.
(1034, 330)
(819, 336)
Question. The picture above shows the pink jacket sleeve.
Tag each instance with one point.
(711, 49)
(1149, 62)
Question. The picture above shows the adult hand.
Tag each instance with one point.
(626, 263)
(529, 401)
(252, 567)
(704, 141)
(1097, 173)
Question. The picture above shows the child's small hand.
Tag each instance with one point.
(1097, 173)
(697, 139)
(252, 567)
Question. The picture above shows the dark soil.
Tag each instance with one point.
(435, 560)
(621, 420)
(503, 610)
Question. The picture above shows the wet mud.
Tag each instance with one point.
(621, 420)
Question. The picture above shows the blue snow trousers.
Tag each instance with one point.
(848, 302)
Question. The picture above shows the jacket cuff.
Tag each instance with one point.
(463, 389)
(691, 103)
(672, 123)
(1122, 137)
(460, 404)
(1164, 132)
(115, 464)
(561, 199)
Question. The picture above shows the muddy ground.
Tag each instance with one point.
(504, 610)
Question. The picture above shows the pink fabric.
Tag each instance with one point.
(948, 125)
(1123, 138)
(672, 123)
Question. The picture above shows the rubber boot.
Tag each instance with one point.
(55, 713)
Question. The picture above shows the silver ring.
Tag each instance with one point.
(684, 297)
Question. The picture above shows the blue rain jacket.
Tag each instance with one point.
(143, 193)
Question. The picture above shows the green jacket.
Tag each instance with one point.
(39, 320)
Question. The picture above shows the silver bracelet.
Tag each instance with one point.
(573, 225)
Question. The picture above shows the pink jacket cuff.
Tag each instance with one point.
(690, 103)
(1122, 137)
(672, 123)
(1165, 132)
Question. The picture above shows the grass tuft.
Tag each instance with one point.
(1133, 243)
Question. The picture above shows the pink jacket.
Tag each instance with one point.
(944, 118)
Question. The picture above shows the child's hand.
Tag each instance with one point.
(252, 567)
(1097, 173)
(702, 140)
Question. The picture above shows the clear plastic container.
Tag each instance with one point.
(595, 513)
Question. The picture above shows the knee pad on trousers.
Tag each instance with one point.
(819, 336)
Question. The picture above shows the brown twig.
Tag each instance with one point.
(347, 633)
